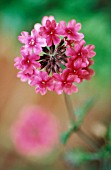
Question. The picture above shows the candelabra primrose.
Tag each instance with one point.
(54, 57)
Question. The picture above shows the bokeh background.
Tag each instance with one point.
(21, 15)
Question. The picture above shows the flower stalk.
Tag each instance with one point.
(79, 131)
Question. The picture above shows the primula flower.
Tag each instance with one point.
(52, 50)
(42, 82)
(36, 132)
(65, 82)
(70, 31)
(27, 62)
(49, 31)
(32, 42)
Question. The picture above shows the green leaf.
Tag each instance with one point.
(78, 156)
(65, 136)
(81, 112)
(109, 133)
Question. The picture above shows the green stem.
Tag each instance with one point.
(69, 107)
(79, 131)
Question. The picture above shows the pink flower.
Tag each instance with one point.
(49, 31)
(28, 62)
(25, 76)
(42, 82)
(55, 56)
(64, 82)
(35, 132)
(79, 68)
(90, 51)
(27, 66)
(70, 31)
(80, 61)
(78, 50)
(32, 42)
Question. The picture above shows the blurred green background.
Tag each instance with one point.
(21, 15)
(18, 15)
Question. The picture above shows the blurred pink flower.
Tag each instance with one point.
(36, 132)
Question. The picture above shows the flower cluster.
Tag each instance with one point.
(54, 57)
(36, 132)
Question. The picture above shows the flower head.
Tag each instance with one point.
(36, 132)
(53, 51)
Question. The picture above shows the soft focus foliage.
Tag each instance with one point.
(76, 157)
(80, 114)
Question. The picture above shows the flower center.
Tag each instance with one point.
(43, 82)
(54, 59)
(32, 42)
(68, 31)
(79, 54)
(51, 32)
(26, 62)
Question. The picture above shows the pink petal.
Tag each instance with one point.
(58, 88)
(42, 91)
(61, 28)
(70, 78)
(37, 50)
(77, 27)
(70, 52)
(37, 27)
(73, 88)
(45, 18)
(53, 24)
(56, 39)
(41, 41)
(24, 37)
(51, 18)
(71, 23)
(49, 41)
(57, 76)
(77, 63)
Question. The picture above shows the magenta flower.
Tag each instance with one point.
(32, 42)
(55, 53)
(27, 62)
(65, 82)
(42, 82)
(25, 76)
(49, 31)
(36, 132)
(70, 31)
(27, 65)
